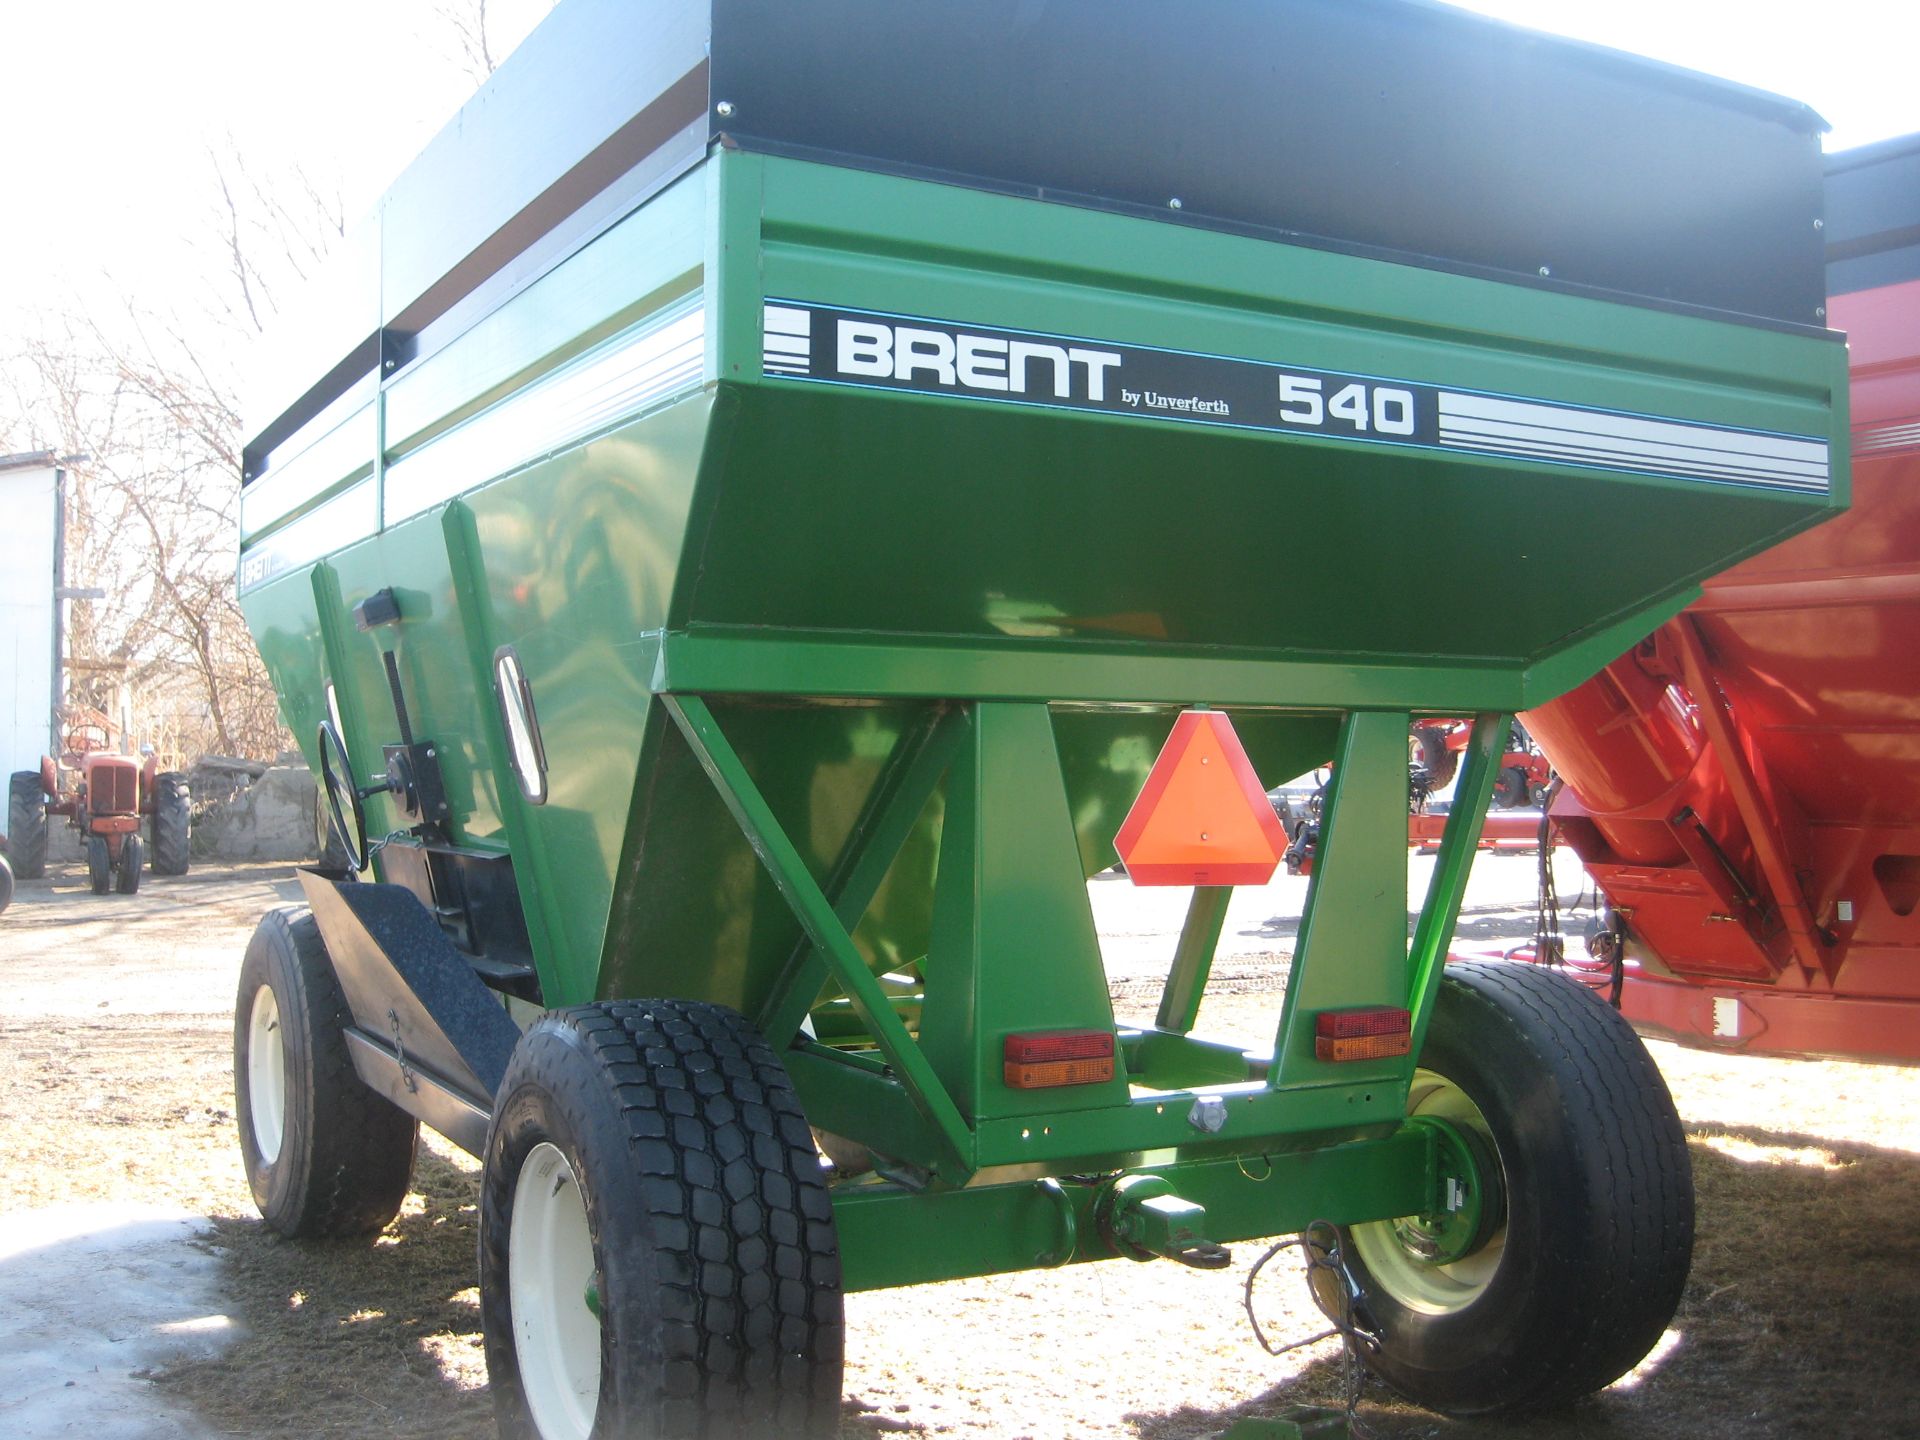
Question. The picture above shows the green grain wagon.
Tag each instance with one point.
(746, 515)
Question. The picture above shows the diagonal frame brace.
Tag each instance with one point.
(1761, 806)
(817, 917)
(912, 773)
(1459, 842)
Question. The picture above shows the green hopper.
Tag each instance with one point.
(743, 519)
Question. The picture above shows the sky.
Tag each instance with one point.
(109, 109)
(1851, 60)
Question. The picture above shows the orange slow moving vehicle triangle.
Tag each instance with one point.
(1202, 818)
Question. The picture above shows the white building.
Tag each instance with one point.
(30, 497)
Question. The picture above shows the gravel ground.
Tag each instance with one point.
(1802, 1316)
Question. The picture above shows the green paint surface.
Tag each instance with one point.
(820, 581)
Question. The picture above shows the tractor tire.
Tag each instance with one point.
(1586, 1270)
(325, 1156)
(1510, 788)
(126, 870)
(27, 825)
(1430, 750)
(6, 883)
(99, 864)
(649, 1174)
(172, 825)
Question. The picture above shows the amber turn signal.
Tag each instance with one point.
(1371, 1034)
(1048, 1058)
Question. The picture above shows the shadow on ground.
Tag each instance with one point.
(1477, 922)
(1802, 1309)
(356, 1337)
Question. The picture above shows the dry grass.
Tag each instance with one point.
(1802, 1316)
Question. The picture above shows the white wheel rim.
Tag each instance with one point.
(556, 1338)
(1419, 1284)
(266, 1075)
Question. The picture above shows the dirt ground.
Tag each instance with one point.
(1802, 1316)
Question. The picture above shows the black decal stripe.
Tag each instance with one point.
(1195, 388)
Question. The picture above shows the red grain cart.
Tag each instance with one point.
(1744, 785)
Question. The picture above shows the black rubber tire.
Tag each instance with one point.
(1599, 1200)
(1510, 788)
(715, 1255)
(99, 864)
(1430, 747)
(27, 825)
(346, 1157)
(126, 870)
(6, 883)
(172, 824)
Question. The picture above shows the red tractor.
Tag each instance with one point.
(112, 797)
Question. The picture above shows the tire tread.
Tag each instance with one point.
(27, 825)
(749, 1298)
(172, 823)
(1645, 1214)
(1630, 1205)
(359, 1163)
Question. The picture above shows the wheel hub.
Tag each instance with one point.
(554, 1294)
(1443, 1259)
(266, 1075)
(1469, 1201)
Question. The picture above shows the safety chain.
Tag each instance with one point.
(1331, 1286)
(1602, 970)
(1549, 946)
(376, 846)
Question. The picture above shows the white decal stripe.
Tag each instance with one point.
(785, 320)
(295, 480)
(1871, 440)
(787, 344)
(349, 516)
(1458, 407)
(1629, 451)
(1588, 440)
(666, 355)
(1613, 460)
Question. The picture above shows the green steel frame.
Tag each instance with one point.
(1301, 1138)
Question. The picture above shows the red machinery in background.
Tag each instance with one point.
(107, 797)
(1435, 747)
(1744, 786)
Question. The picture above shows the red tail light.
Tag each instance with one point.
(1370, 1034)
(1058, 1057)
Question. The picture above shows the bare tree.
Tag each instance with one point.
(466, 21)
(265, 239)
(149, 396)
(148, 393)
(150, 521)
